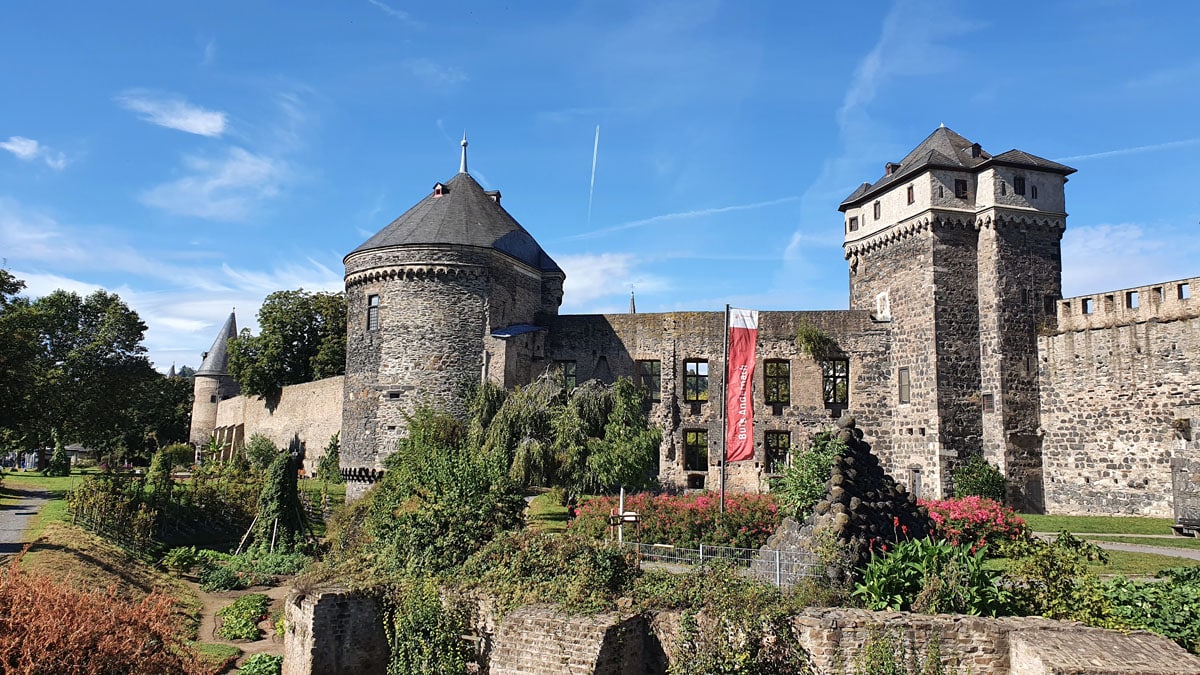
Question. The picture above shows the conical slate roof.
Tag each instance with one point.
(947, 149)
(216, 359)
(460, 212)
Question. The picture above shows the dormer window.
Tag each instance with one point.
(976, 150)
(439, 190)
(494, 195)
(890, 168)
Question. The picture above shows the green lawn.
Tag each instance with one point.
(57, 486)
(1177, 542)
(1098, 524)
(1140, 564)
(546, 515)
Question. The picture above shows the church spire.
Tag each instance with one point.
(632, 304)
(462, 167)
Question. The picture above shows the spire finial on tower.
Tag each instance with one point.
(632, 303)
(462, 167)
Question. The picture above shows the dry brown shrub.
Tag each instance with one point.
(53, 629)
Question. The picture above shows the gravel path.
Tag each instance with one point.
(1193, 554)
(15, 517)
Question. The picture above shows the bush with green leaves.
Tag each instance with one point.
(424, 632)
(179, 455)
(239, 621)
(1052, 579)
(262, 664)
(260, 451)
(180, 560)
(60, 463)
(975, 477)
(329, 467)
(802, 484)
(1169, 606)
(932, 577)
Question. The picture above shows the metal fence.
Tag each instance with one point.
(782, 568)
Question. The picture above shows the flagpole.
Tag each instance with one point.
(724, 404)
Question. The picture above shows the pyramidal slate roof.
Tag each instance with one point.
(947, 149)
(216, 359)
(461, 212)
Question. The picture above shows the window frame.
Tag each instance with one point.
(653, 393)
(695, 384)
(373, 304)
(775, 460)
(695, 446)
(964, 192)
(774, 382)
(830, 378)
(852, 225)
(911, 195)
(904, 385)
(568, 371)
(1019, 185)
(876, 209)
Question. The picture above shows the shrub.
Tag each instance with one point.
(239, 621)
(686, 520)
(932, 577)
(180, 560)
(528, 567)
(1168, 606)
(179, 454)
(329, 468)
(60, 463)
(976, 478)
(1052, 579)
(50, 628)
(260, 451)
(975, 522)
(424, 633)
(802, 484)
(262, 664)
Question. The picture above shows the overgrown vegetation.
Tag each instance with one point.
(109, 634)
(239, 620)
(686, 520)
(329, 467)
(975, 477)
(262, 664)
(802, 484)
(814, 341)
(932, 577)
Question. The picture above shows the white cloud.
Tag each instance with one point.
(434, 73)
(393, 12)
(210, 53)
(226, 189)
(683, 215)
(1136, 150)
(173, 112)
(30, 150)
(1108, 257)
(596, 280)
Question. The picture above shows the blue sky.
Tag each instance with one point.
(194, 157)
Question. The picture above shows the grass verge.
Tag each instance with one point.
(1140, 564)
(216, 656)
(546, 515)
(1186, 543)
(1098, 524)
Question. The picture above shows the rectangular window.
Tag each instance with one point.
(1087, 306)
(372, 312)
(941, 191)
(989, 403)
(695, 380)
(875, 207)
(1019, 185)
(1048, 304)
(911, 198)
(1158, 294)
(960, 188)
(649, 377)
(695, 450)
(1185, 291)
(777, 382)
(1131, 299)
(835, 378)
(853, 223)
(567, 370)
(1003, 188)
(777, 443)
(1033, 192)
(905, 386)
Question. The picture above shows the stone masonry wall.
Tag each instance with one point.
(608, 346)
(332, 632)
(304, 418)
(543, 640)
(1110, 397)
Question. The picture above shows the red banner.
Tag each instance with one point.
(739, 385)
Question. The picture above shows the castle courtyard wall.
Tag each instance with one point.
(1114, 381)
(304, 417)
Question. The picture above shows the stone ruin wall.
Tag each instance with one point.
(606, 347)
(332, 631)
(305, 417)
(1114, 381)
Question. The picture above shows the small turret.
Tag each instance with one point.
(213, 384)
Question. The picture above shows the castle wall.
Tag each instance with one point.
(304, 417)
(607, 347)
(1113, 385)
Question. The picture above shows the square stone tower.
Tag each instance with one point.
(960, 250)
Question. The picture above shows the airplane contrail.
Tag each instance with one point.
(592, 188)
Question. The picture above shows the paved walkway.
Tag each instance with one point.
(15, 517)
(1191, 553)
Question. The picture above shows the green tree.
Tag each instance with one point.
(302, 337)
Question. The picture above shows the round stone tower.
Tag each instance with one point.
(452, 291)
(212, 384)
